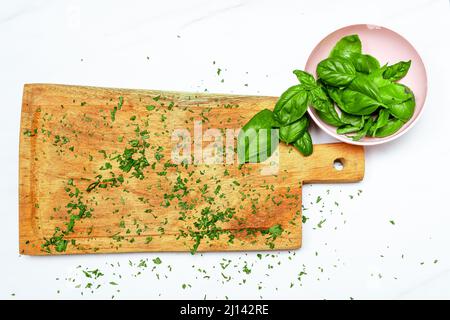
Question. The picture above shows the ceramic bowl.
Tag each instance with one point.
(388, 47)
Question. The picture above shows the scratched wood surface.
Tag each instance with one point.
(76, 194)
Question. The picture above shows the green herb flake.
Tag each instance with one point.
(157, 260)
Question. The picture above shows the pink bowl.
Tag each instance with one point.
(388, 47)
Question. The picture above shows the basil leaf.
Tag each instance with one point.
(363, 84)
(362, 133)
(353, 102)
(304, 144)
(350, 119)
(324, 107)
(377, 78)
(292, 105)
(319, 99)
(330, 117)
(382, 120)
(346, 46)
(295, 130)
(319, 92)
(347, 129)
(397, 71)
(390, 128)
(306, 79)
(335, 95)
(255, 145)
(364, 63)
(403, 111)
(319, 104)
(358, 103)
(395, 93)
(336, 71)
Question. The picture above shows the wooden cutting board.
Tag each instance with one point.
(96, 174)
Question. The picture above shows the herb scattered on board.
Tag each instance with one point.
(77, 209)
(141, 155)
(116, 108)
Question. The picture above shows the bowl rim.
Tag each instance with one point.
(376, 141)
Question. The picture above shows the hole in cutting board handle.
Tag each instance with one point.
(338, 164)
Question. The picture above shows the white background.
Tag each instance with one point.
(358, 253)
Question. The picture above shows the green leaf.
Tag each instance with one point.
(346, 46)
(364, 63)
(336, 71)
(320, 91)
(306, 79)
(363, 132)
(292, 105)
(390, 128)
(395, 93)
(262, 120)
(319, 99)
(353, 102)
(377, 77)
(350, 119)
(381, 121)
(304, 144)
(325, 109)
(347, 129)
(397, 71)
(61, 245)
(324, 106)
(363, 84)
(403, 111)
(330, 116)
(253, 146)
(295, 130)
(273, 232)
(157, 260)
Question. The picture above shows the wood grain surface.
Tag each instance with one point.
(78, 193)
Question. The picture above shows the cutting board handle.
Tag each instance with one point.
(329, 163)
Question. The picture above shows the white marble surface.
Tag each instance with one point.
(257, 44)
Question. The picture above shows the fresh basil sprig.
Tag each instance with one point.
(288, 116)
(255, 137)
(294, 131)
(292, 105)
